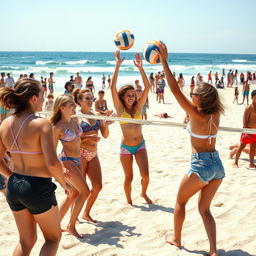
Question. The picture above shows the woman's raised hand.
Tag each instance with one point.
(138, 61)
(118, 58)
(163, 52)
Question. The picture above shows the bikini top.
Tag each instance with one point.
(127, 115)
(198, 136)
(11, 120)
(70, 135)
(86, 127)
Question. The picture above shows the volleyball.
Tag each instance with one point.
(150, 51)
(124, 39)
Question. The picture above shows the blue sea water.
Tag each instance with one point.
(94, 64)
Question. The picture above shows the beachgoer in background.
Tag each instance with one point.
(160, 88)
(181, 81)
(152, 82)
(68, 88)
(246, 90)
(133, 143)
(210, 77)
(9, 81)
(192, 83)
(109, 81)
(241, 78)
(30, 190)
(78, 83)
(2, 81)
(44, 85)
(206, 172)
(50, 83)
(49, 102)
(66, 129)
(103, 82)
(139, 93)
(236, 95)
(216, 76)
(101, 103)
(163, 115)
(249, 121)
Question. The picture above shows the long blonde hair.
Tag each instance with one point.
(60, 101)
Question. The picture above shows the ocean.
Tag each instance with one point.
(95, 64)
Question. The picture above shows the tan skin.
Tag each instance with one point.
(37, 135)
(101, 100)
(192, 184)
(132, 133)
(89, 141)
(73, 174)
(248, 122)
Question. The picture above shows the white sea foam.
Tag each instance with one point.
(39, 62)
(240, 61)
(237, 66)
(79, 62)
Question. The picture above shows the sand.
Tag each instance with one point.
(140, 230)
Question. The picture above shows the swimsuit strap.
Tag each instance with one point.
(18, 133)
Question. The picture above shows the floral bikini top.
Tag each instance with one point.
(70, 134)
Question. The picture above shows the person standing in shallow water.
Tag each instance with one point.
(206, 171)
(133, 143)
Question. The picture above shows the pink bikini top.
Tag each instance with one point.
(16, 137)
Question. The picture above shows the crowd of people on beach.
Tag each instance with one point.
(28, 146)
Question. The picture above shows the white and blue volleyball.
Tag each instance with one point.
(124, 39)
(150, 51)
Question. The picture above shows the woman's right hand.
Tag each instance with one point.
(118, 58)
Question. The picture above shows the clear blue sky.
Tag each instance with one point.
(207, 26)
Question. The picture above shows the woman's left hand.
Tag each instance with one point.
(110, 114)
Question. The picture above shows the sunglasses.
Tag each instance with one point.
(88, 98)
(193, 93)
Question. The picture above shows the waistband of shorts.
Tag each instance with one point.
(31, 177)
(201, 155)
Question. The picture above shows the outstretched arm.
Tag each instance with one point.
(138, 63)
(185, 103)
(116, 100)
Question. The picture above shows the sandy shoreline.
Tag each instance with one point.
(140, 230)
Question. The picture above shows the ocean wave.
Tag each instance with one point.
(237, 66)
(125, 62)
(79, 62)
(51, 62)
(240, 61)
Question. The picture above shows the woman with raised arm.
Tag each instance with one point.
(133, 143)
(88, 149)
(30, 191)
(67, 130)
(206, 171)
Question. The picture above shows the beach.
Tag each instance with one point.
(140, 230)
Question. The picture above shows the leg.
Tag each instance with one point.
(251, 154)
(238, 153)
(142, 161)
(94, 173)
(27, 232)
(49, 223)
(188, 187)
(126, 161)
(77, 181)
(204, 202)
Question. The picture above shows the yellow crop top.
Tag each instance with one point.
(127, 115)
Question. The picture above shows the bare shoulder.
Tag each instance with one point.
(42, 123)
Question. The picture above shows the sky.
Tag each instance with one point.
(188, 26)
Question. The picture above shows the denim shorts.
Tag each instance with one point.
(207, 166)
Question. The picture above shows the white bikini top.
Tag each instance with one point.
(208, 136)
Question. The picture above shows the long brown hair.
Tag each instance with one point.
(122, 92)
(60, 101)
(18, 97)
(209, 99)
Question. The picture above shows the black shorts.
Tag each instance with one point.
(37, 194)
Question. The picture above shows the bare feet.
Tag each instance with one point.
(235, 165)
(147, 199)
(212, 254)
(89, 219)
(171, 240)
(73, 231)
(129, 202)
(232, 152)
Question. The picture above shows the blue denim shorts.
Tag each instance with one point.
(207, 166)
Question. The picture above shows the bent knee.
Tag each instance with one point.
(129, 178)
(28, 244)
(97, 188)
(203, 210)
